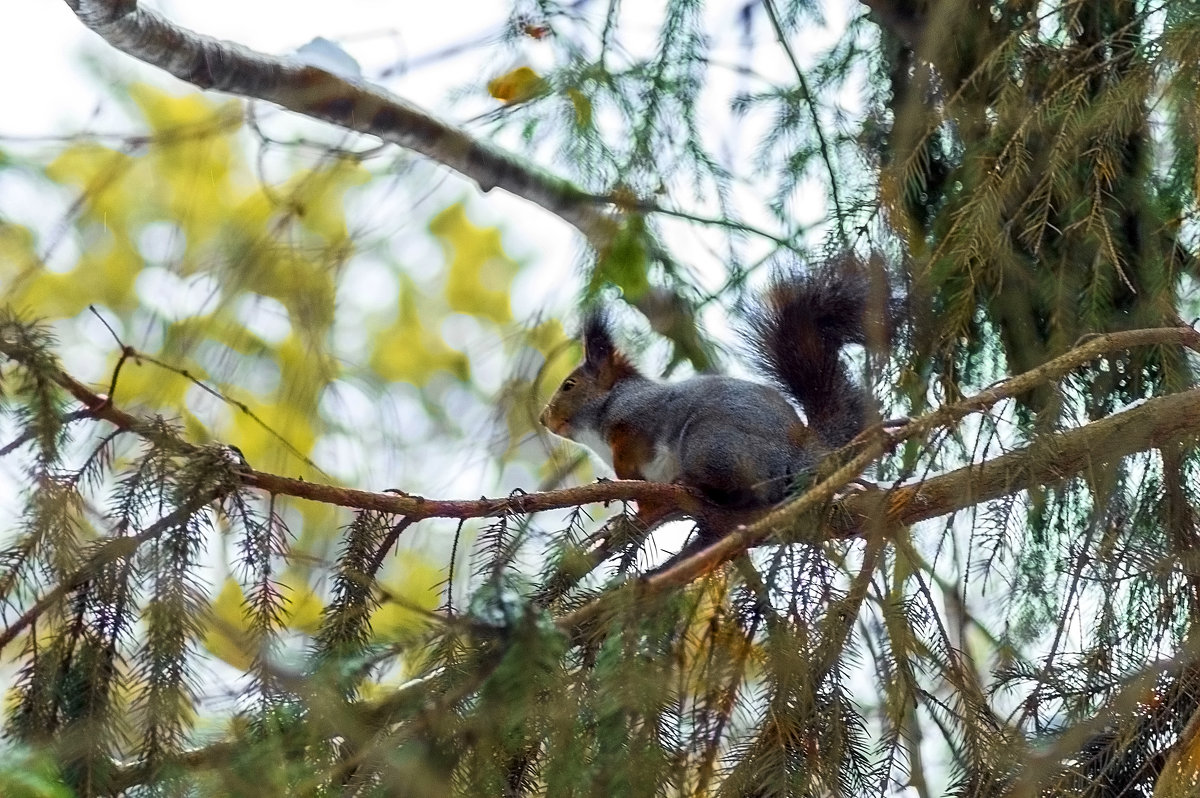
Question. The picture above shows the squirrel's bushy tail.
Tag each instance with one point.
(797, 335)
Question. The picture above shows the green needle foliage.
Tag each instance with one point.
(1018, 177)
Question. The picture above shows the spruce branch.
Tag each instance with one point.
(211, 63)
(418, 700)
(107, 553)
(1046, 763)
(1051, 459)
(137, 772)
(1178, 775)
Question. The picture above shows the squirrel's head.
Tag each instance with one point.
(573, 408)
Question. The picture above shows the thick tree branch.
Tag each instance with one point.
(1049, 460)
(942, 495)
(211, 63)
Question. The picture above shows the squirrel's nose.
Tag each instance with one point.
(542, 417)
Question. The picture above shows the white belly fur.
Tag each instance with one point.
(664, 467)
(599, 447)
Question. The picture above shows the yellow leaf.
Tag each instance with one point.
(712, 636)
(479, 271)
(191, 156)
(260, 439)
(103, 175)
(518, 86)
(182, 175)
(317, 197)
(407, 350)
(583, 107)
(548, 337)
(143, 384)
(524, 399)
(16, 245)
(411, 583)
(303, 608)
(167, 112)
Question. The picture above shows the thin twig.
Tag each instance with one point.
(26, 437)
(811, 102)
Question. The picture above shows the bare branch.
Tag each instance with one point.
(419, 508)
(211, 63)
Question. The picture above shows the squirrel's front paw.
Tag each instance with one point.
(855, 487)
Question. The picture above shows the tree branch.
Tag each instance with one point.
(1046, 762)
(942, 495)
(1179, 773)
(211, 63)
(1049, 460)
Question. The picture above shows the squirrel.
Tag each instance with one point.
(740, 443)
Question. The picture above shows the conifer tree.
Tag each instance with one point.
(192, 605)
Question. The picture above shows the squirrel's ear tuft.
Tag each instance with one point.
(600, 355)
(598, 346)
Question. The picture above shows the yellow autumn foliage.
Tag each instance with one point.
(180, 243)
(517, 86)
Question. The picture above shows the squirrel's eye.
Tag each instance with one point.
(568, 384)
